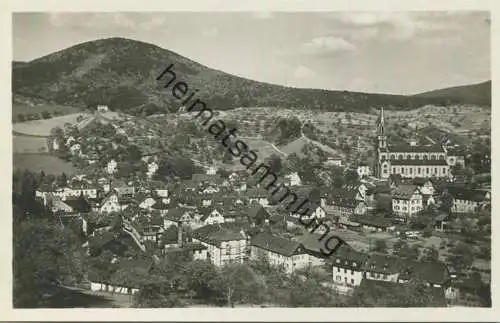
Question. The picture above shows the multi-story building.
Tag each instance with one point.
(348, 268)
(468, 200)
(224, 244)
(407, 200)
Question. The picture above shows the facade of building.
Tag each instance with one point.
(407, 201)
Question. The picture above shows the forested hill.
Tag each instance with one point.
(122, 74)
(479, 94)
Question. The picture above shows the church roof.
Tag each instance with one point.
(418, 162)
(416, 149)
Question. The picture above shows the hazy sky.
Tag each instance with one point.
(398, 52)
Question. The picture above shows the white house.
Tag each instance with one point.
(212, 170)
(102, 108)
(152, 168)
(407, 200)
(363, 170)
(347, 269)
(110, 204)
(111, 167)
(281, 252)
(224, 244)
(294, 179)
(213, 216)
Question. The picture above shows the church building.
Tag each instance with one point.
(409, 160)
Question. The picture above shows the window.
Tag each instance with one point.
(427, 170)
(352, 281)
(385, 276)
(441, 157)
(345, 271)
(425, 157)
(435, 170)
(444, 170)
(345, 279)
(418, 170)
(338, 269)
(405, 208)
(418, 157)
(339, 278)
(433, 157)
(411, 170)
(396, 207)
(352, 272)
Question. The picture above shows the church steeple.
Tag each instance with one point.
(382, 139)
(381, 123)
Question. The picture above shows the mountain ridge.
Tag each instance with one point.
(122, 73)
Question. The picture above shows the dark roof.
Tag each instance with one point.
(428, 271)
(258, 212)
(405, 191)
(415, 149)
(204, 177)
(176, 214)
(346, 256)
(420, 181)
(418, 162)
(216, 233)
(313, 243)
(375, 221)
(78, 204)
(467, 194)
(382, 264)
(279, 245)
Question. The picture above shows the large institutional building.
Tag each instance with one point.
(410, 160)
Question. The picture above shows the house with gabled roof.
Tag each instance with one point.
(225, 243)
(110, 203)
(407, 200)
(280, 252)
(347, 202)
(257, 195)
(211, 215)
(257, 214)
(161, 206)
(347, 268)
(178, 216)
(467, 200)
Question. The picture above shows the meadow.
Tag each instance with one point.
(42, 162)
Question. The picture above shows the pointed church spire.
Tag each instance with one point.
(381, 123)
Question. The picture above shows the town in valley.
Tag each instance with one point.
(119, 203)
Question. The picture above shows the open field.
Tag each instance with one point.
(28, 145)
(42, 162)
(38, 108)
(43, 127)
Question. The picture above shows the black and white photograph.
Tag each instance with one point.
(251, 159)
